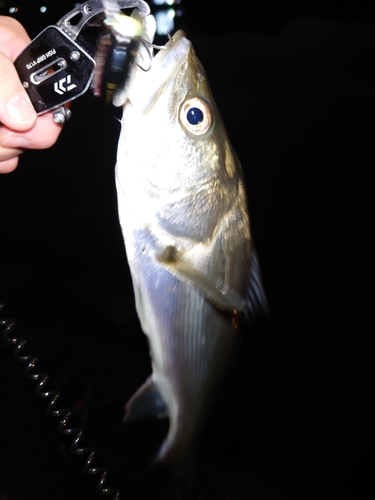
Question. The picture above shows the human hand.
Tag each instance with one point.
(21, 128)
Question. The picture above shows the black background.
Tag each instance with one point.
(295, 89)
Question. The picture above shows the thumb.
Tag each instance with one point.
(16, 110)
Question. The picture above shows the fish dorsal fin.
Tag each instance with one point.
(256, 304)
(216, 291)
(146, 403)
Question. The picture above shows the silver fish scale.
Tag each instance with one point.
(183, 213)
(196, 340)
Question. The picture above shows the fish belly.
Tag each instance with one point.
(191, 343)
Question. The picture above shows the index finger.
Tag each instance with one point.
(13, 37)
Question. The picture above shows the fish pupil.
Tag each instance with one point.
(194, 116)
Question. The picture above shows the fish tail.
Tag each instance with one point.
(176, 451)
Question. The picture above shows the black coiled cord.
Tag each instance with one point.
(52, 396)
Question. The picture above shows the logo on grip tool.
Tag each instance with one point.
(61, 89)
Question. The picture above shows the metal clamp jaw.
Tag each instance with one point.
(90, 9)
(54, 69)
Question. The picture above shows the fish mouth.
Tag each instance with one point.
(172, 51)
(148, 84)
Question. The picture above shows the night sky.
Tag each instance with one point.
(294, 420)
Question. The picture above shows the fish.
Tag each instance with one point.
(184, 217)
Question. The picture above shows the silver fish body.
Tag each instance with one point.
(183, 213)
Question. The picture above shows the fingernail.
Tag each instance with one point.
(20, 109)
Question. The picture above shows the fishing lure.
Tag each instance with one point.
(117, 49)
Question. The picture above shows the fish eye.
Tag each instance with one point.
(196, 116)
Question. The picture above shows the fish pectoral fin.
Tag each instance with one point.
(216, 291)
(256, 303)
(146, 403)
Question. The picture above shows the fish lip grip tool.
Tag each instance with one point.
(54, 68)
